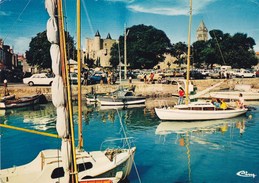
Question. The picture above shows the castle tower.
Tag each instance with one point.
(97, 41)
(202, 32)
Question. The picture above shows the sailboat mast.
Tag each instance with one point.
(79, 64)
(188, 56)
(125, 52)
(63, 56)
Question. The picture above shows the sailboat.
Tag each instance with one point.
(69, 164)
(195, 110)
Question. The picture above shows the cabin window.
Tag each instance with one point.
(59, 172)
(197, 108)
(208, 108)
(84, 166)
(129, 94)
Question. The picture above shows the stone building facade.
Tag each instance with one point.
(202, 32)
(99, 49)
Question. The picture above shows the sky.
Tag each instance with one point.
(21, 20)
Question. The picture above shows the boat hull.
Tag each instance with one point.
(8, 97)
(192, 115)
(22, 102)
(248, 96)
(125, 101)
(47, 167)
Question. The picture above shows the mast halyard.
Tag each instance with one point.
(188, 56)
(79, 64)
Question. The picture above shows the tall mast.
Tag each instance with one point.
(79, 64)
(188, 56)
(125, 52)
(65, 76)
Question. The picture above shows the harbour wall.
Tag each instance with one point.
(142, 89)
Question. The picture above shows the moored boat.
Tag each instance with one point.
(20, 102)
(94, 165)
(197, 111)
(7, 97)
(234, 95)
(124, 97)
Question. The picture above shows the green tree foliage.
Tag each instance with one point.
(179, 51)
(224, 49)
(39, 50)
(146, 46)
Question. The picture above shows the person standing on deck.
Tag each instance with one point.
(241, 101)
(181, 95)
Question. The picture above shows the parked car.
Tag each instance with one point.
(39, 79)
(73, 77)
(97, 77)
(215, 75)
(245, 74)
(195, 75)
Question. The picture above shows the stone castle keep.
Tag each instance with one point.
(99, 49)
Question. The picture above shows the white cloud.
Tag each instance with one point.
(169, 7)
(5, 13)
(158, 10)
(21, 44)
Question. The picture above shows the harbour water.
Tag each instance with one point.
(209, 151)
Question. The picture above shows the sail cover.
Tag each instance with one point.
(57, 89)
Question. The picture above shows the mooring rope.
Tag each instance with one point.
(125, 135)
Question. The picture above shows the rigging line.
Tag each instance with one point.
(29, 1)
(29, 131)
(135, 166)
(88, 17)
(220, 51)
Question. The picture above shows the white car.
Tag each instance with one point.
(38, 79)
(245, 74)
(73, 77)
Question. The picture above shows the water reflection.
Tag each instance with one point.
(191, 135)
(201, 129)
(39, 117)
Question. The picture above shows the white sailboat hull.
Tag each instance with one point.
(121, 102)
(47, 167)
(191, 115)
(248, 96)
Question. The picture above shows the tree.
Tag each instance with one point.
(224, 49)
(39, 50)
(179, 51)
(146, 46)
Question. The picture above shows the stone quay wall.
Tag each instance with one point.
(147, 90)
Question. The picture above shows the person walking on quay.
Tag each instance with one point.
(6, 92)
(145, 78)
(181, 95)
(151, 77)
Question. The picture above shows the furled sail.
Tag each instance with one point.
(57, 88)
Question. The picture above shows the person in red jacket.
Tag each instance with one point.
(181, 95)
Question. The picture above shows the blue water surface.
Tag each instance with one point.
(180, 152)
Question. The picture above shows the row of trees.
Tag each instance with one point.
(147, 46)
